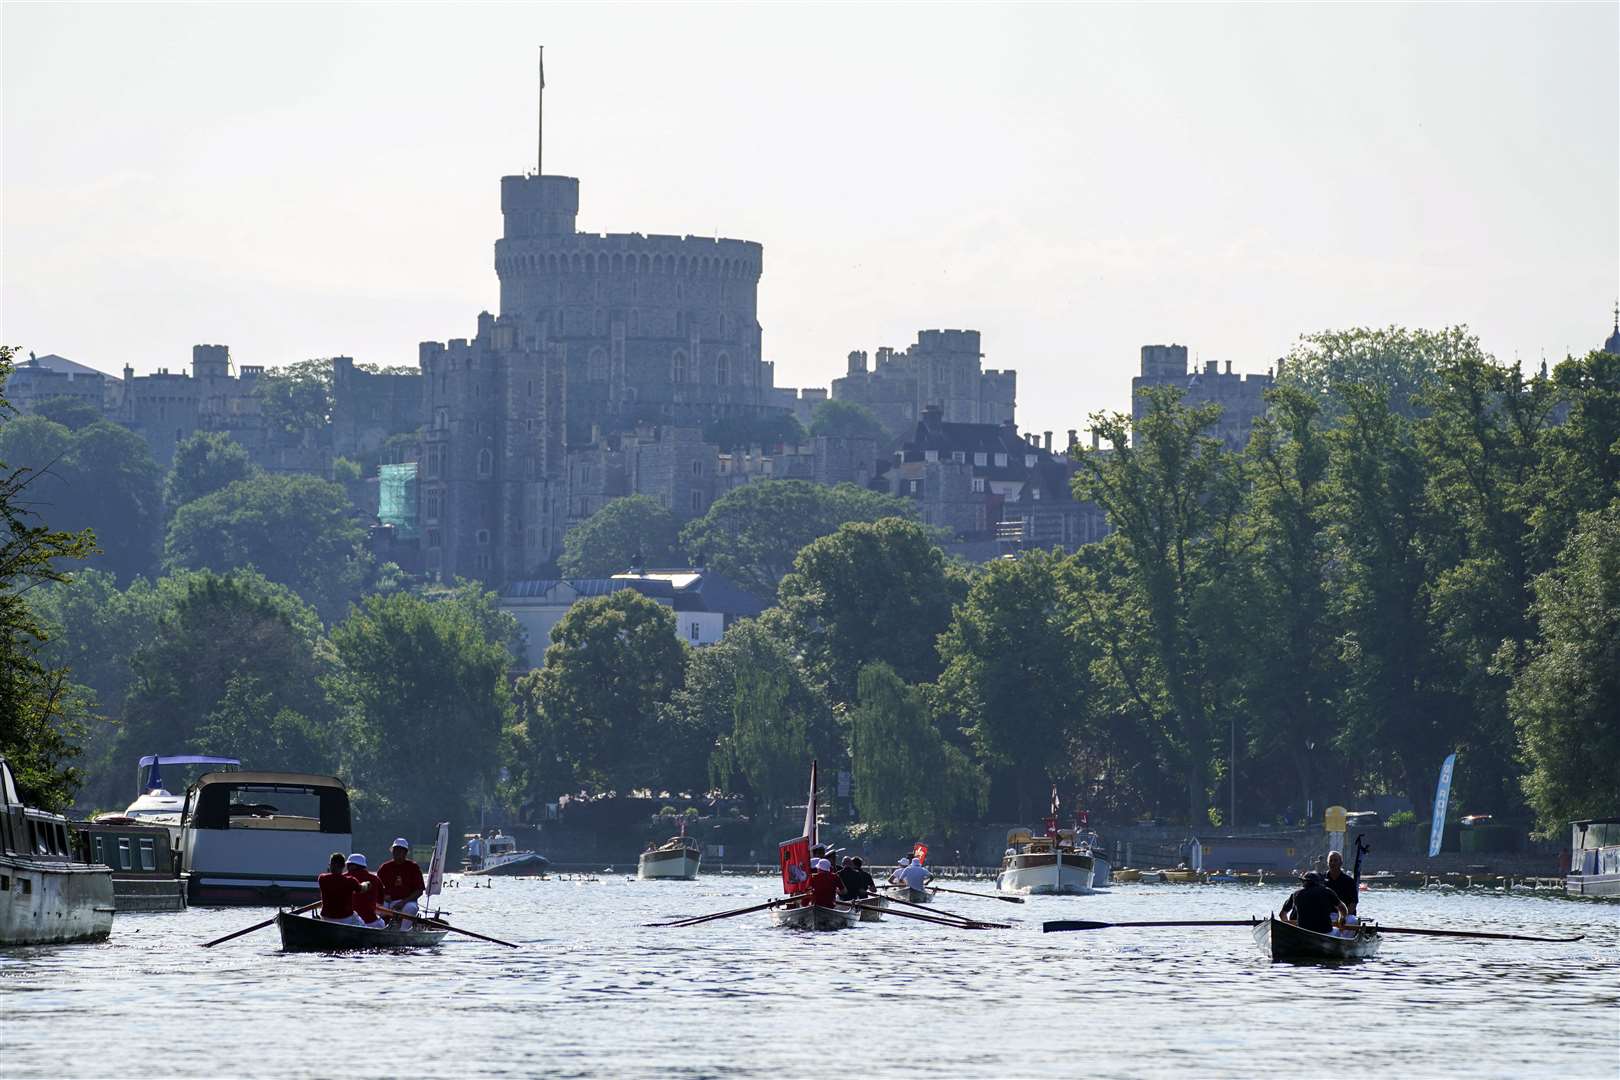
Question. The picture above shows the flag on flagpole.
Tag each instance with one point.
(441, 850)
(542, 67)
(810, 809)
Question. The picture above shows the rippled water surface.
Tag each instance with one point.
(593, 992)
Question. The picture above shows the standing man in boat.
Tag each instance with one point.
(401, 880)
(338, 892)
(1342, 884)
(365, 900)
(1311, 907)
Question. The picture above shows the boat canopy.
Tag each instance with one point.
(210, 803)
(149, 771)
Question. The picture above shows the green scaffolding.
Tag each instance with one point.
(396, 499)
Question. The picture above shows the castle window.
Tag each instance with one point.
(1029, 461)
(697, 501)
(486, 463)
(1035, 493)
(930, 455)
(978, 485)
(433, 505)
(722, 370)
(433, 538)
(959, 456)
(1001, 461)
(981, 459)
(599, 365)
(482, 536)
(482, 562)
(678, 367)
(697, 468)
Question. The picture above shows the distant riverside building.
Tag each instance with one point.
(40, 378)
(1241, 397)
(705, 604)
(992, 488)
(942, 368)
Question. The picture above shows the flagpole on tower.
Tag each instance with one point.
(540, 125)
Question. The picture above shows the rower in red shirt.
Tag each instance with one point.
(365, 900)
(401, 880)
(338, 891)
(823, 884)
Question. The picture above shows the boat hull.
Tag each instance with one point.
(908, 894)
(669, 865)
(148, 894)
(54, 902)
(812, 917)
(1593, 885)
(301, 933)
(526, 865)
(1101, 872)
(1279, 940)
(1124, 877)
(1060, 874)
(872, 908)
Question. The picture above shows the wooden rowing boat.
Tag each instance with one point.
(815, 917)
(905, 892)
(872, 909)
(304, 933)
(1126, 876)
(1285, 941)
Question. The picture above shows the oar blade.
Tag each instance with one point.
(1059, 925)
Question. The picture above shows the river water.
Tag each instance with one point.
(593, 992)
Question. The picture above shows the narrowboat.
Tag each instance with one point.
(677, 858)
(1594, 858)
(261, 838)
(46, 896)
(145, 875)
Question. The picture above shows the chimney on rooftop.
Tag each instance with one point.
(1096, 440)
(1074, 438)
(1229, 367)
(1048, 435)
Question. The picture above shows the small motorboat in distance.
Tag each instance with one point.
(676, 859)
(815, 917)
(498, 856)
(307, 933)
(1284, 941)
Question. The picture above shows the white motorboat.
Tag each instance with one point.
(155, 804)
(261, 837)
(498, 856)
(1044, 865)
(676, 859)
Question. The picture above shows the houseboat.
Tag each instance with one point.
(145, 873)
(1044, 865)
(261, 837)
(677, 858)
(1594, 858)
(45, 895)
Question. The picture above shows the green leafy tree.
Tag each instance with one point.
(752, 533)
(203, 464)
(72, 413)
(1174, 496)
(1013, 678)
(605, 543)
(41, 715)
(870, 591)
(742, 432)
(296, 400)
(591, 712)
(1565, 699)
(1578, 469)
(483, 607)
(296, 530)
(1398, 362)
(192, 685)
(907, 779)
(846, 418)
(425, 686)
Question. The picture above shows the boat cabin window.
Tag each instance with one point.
(97, 850)
(148, 854)
(123, 853)
(271, 806)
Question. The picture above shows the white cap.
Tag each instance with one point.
(400, 841)
(823, 864)
(904, 861)
(357, 859)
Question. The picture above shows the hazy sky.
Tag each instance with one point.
(1074, 182)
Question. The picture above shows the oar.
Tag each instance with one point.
(1468, 933)
(930, 908)
(721, 914)
(965, 924)
(440, 924)
(1084, 924)
(981, 895)
(258, 926)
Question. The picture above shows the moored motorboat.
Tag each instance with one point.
(154, 804)
(1125, 875)
(1284, 941)
(260, 837)
(1044, 865)
(676, 859)
(45, 895)
(306, 933)
(815, 917)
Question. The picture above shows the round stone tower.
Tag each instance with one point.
(652, 328)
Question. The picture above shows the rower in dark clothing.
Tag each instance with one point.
(1342, 884)
(867, 883)
(1311, 907)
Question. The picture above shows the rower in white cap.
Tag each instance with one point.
(365, 901)
(401, 881)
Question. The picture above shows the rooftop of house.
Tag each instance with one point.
(683, 588)
(59, 364)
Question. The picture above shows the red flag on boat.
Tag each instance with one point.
(794, 857)
(920, 853)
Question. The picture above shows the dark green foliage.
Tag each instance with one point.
(869, 592)
(592, 713)
(745, 432)
(907, 779)
(72, 413)
(203, 464)
(1565, 699)
(752, 534)
(296, 400)
(847, 418)
(296, 530)
(605, 543)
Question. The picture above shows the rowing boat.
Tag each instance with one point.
(1285, 941)
(908, 894)
(1126, 876)
(872, 908)
(815, 917)
(305, 933)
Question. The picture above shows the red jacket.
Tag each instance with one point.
(337, 895)
(365, 903)
(400, 881)
(823, 888)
